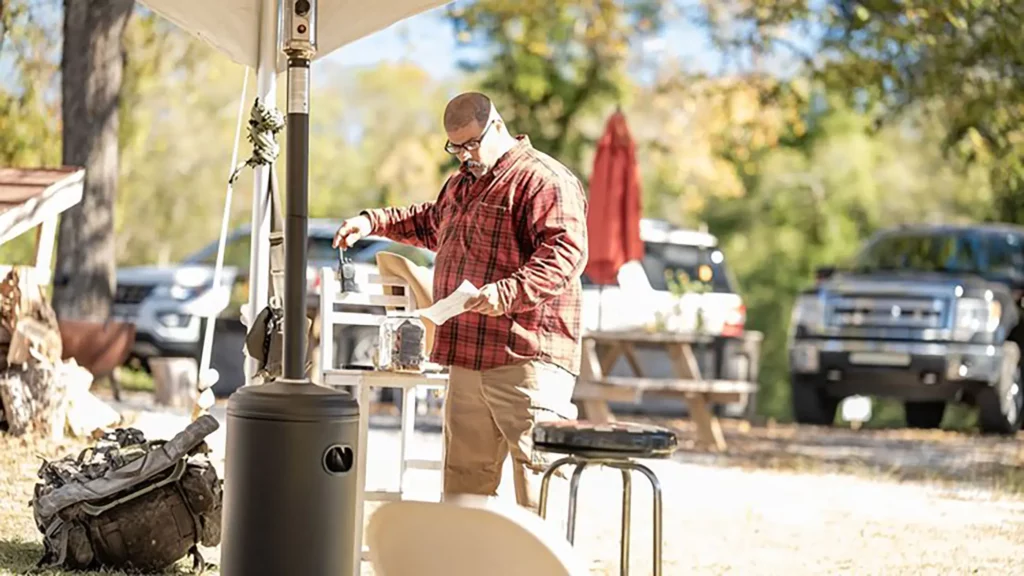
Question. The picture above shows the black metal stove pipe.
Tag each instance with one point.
(296, 220)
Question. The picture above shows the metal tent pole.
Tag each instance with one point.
(259, 233)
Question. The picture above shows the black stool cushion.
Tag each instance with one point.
(616, 439)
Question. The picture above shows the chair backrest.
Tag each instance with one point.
(362, 308)
(398, 285)
(377, 293)
(466, 536)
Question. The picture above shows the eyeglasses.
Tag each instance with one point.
(468, 145)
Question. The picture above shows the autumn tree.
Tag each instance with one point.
(547, 63)
(961, 60)
(179, 107)
(91, 69)
(377, 138)
(29, 120)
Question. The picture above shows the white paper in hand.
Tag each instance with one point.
(447, 308)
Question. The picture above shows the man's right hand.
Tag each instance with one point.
(351, 231)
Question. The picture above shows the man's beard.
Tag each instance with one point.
(478, 169)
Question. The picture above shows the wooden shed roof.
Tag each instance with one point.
(29, 196)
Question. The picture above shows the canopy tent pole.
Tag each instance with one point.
(208, 376)
(259, 234)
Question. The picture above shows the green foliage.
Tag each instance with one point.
(959, 60)
(376, 139)
(375, 134)
(179, 110)
(29, 113)
(680, 284)
(548, 63)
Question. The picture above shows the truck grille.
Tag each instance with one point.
(131, 293)
(888, 312)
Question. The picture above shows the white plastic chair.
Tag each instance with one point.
(466, 536)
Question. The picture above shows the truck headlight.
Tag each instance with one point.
(808, 313)
(182, 293)
(976, 315)
(174, 320)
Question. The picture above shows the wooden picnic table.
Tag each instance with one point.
(602, 349)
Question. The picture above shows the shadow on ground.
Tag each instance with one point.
(902, 454)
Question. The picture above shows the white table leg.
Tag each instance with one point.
(363, 392)
(408, 428)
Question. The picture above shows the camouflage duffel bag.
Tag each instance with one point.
(129, 503)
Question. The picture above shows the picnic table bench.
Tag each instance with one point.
(602, 349)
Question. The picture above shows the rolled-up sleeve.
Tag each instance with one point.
(556, 221)
(416, 224)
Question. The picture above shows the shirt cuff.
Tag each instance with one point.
(508, 292)
(377, 219)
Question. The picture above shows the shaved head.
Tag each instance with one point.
(464, 109)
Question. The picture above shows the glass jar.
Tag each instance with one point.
(402, 343)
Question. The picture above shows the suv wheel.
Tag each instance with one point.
(924, 414)
(811, 404)
(1001, 407)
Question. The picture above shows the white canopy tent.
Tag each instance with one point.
(247, 31)
(233, 26)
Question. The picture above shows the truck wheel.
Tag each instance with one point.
(924, 415)
(811, 404)
(1001, 407)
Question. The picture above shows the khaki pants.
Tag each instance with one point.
(490, 415)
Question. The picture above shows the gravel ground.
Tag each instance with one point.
(737, 519)
(728, 514)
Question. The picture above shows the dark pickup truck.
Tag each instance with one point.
(926, 314)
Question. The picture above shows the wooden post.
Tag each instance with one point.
(46, 237)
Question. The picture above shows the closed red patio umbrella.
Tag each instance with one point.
(613, 221)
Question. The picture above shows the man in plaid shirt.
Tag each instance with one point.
(512, 221)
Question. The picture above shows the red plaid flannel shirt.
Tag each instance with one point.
(522, 226)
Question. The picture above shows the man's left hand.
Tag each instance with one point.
(486, 302)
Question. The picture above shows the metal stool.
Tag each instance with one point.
(615, 445)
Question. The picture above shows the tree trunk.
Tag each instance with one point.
(92, 69)
(3, 23)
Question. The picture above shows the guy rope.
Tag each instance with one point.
(265, 122)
